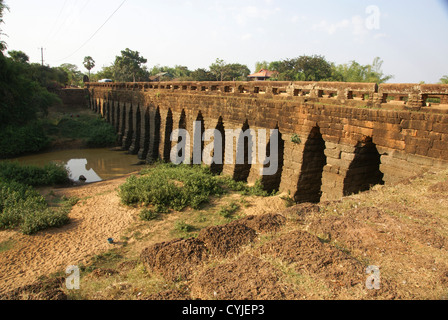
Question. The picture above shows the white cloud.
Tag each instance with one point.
(331, 28)
(246, 36)
(356, 26)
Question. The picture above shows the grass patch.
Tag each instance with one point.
(6, 245)
(228, 211)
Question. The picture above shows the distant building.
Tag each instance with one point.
(262, 75)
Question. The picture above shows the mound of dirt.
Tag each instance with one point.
(224, 241)
(322, 260)
(175, 260)
(363, 231)
(44, 290)
(264, 224)
(246, 278)
(303, 211)
(441, 187)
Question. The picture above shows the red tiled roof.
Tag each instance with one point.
(263, 73)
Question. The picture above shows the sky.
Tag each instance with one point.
(409, 36)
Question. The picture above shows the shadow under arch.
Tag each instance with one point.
(242, 169)
(128, 128)
(168, 131)
(309, 188)
(182, 126)
(271, 183)
(364, 171)
(217, 167)
(155, 138)
(145, 135)
(136, 136)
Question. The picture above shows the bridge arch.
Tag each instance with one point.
(364, 171)
(309, 188)
(272, 183)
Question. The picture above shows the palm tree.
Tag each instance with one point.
(89, 63)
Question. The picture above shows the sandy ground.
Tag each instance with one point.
(97, 217)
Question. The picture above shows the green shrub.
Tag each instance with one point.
(244, 189)
(50, 174)
(169, 186)
(183, 227)
(94, 132)
(148, 215)
(296, 139)
(16, 140)
(23, 207)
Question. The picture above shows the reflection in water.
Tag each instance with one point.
(78, 167)
(94, 164)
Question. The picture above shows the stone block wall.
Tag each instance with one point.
(336, 138)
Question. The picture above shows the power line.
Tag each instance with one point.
(95, 33)
(69, 21)
(56, 22)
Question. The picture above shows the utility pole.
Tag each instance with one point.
(42, 55)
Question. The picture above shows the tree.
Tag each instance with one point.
(107, 72)
(129, 67)
(19, 56)
(74, 75)
(3, 6)
(218, 69)
(444, 80)
(89, 63)
(355, 72)
(229, 72)
(202, 75)
(261, 65)
(303, 68)
(236, 72)
(312, 68)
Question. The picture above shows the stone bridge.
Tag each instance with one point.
(336, 139)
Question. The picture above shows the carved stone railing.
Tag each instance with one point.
(405, 96)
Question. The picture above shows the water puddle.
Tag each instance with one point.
(94, 165)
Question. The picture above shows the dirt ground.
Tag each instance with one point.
(270, 252)
(97, 217)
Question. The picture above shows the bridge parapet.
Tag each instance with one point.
(416, 97)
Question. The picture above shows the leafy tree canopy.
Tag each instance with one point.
(19, 56)
(444, 80)
(130, 67)
(317, 68)
(229, 72)
(3, 7)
